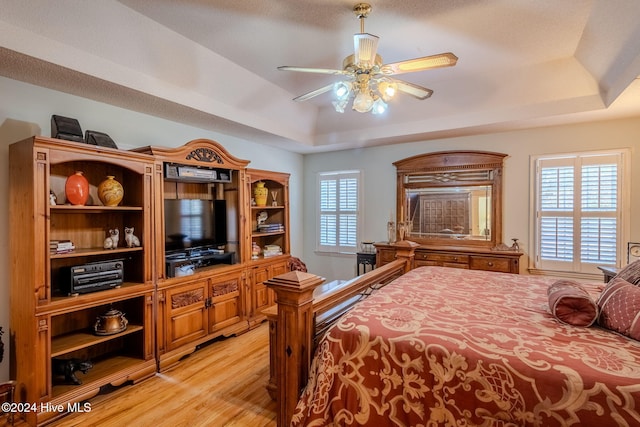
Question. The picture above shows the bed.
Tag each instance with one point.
(442, 346)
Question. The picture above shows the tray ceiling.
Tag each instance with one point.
(213, 64)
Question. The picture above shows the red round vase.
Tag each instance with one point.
(76, 189)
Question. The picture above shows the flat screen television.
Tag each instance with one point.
(191, 223)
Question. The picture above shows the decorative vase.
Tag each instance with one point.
(260, 194)
(110, 192)
(76, 189)
(112, 322)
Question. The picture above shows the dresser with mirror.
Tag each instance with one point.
(450, 203)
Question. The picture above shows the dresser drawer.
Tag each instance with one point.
(490, 264)
(419, 263)
(439, 259)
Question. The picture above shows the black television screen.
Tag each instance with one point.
(191, 223)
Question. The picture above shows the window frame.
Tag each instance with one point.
(576, 267)
(338, 248)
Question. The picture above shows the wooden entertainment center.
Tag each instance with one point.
(166, 296)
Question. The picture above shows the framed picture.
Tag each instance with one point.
(633, 252)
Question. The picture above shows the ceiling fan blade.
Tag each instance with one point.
(413, 89)
(313, 93)
(419, 64)
(313, 70)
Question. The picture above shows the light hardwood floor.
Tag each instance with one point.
(222, 384)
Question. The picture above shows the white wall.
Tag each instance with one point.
(26, 110)
(380, 179)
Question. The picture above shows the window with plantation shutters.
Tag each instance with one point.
(579, 221)
(338, 211)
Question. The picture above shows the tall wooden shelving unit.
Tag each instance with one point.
(46, 321)
(266, 265)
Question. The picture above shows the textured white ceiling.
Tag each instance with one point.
(213, 63)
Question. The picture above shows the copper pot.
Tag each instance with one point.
(112, 322)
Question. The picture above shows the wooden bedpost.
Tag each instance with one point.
(406, 250)
(294, 337)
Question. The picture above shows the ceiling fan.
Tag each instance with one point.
(368, 81)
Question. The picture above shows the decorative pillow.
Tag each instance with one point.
(619, 306)
(630, 273)
(570, 303)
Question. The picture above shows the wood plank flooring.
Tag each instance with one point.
(222, 384)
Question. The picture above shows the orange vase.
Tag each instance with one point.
(76, 189)
(110, 192)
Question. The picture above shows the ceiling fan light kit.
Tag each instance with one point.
(368, 80)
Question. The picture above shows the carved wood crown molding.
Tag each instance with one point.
(449, 177)
(482, 166)
(197, 151)
(450, 161)
(204, 155)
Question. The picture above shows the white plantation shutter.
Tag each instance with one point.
(599, 224)
(339, 205)
(578, 212)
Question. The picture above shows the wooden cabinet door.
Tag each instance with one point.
(261, 296)
(259, 292)
(226, 303)
(186, 317)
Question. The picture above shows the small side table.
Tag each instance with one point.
(364, 259)
(609, 272)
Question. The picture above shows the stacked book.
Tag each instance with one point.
(271, 250)
(61, 246)
(270, 228)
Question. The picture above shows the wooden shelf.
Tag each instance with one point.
(94, 251)
(79, 340)
(271, 233)
(267, 207)
(92, 208)
(101, 370)
(66, 303)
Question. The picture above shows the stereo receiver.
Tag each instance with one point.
(95, 276)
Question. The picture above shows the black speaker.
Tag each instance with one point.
(66, 128)
(98, 138)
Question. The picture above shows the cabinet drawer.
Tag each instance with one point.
(438, 259)
(426, 263)
(490, 264)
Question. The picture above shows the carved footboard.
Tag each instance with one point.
(305, 309)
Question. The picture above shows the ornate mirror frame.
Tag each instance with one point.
(445, 179)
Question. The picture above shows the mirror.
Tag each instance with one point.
(461, 212)
(450, 198)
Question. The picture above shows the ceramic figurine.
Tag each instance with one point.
(111, 242)
(66, 369)
(262, 217)
(130, 239)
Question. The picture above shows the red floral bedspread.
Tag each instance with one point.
(450, 347)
